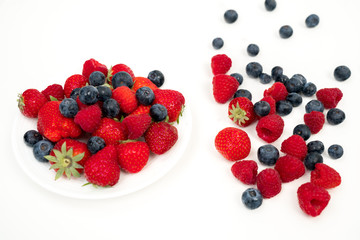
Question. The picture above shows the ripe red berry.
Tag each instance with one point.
(271, 102)
(295, 146)
(312, 199)
(30, 102)
(289, 168)
(315, 121)
(268, 182)
(245, 171)
(54, 90)
(224, 87)
(89, 118)
(277, 91)
(329, 97)
(325, 176)
(220, 64)
(241, 111)
(270, 128)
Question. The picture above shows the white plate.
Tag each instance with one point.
(157, 166)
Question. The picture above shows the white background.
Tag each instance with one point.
(44, 42)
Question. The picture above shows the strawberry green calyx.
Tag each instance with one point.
(20, 101)
(238, 115)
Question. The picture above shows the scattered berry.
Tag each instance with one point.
(276, 72)
(245, 171)
(253, 69)
(252, 198)
(312, 159)
(31, 137)
(335, 151)
(309, 89)
(41, 149)
(277, 91)
(315, 146)
(268, 182)
(95, 144)
(68, 107)
(271, 102)
(314, 105)
(243, 93)
(268, 154)
(335, 116)
(253, 49)
(238, 77)
(283, 108)
(312, 20)
(303, 131)
(230, 16)
(342, 73)
(286, 31)
(312, 199)
(329, 97)
(220, 64)
(289, 168)
(294, 99)
(265, 78)
(270, 128)
(301, 78)
(315, 121)
(156, 77)
(270, 5)
(295, 146)
(325, 176)
(282, 79)
(224, 87)
(241, 111)
(294, 85)
(218, 43)
(262, 108)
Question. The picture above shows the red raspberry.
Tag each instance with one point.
(295, 146)
(329, 97)
(315, 121)
(270, 128)
(277, 91)
(245, 171)
(224, 87)
(289, 168)
(312, 199)
(272, 103)
(89, 118)
(54, 90)
(325, 176)
(220, 64)
(268, 182)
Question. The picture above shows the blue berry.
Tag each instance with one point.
(252, 198)
(156, 77)
(270, 5)
(110, 108)
(122, 78)
(342, 73)
(265, 78)
(283, 79)
(293, 85)
(158, 112)
(301, 78)
(286, 31)
(104, 93)
(253, 50)
(68, 107)
(311, 159)
(335, 151)
(31, 137)
(312, 20)
(97, 78)
(309, 89)
(276, 72)
(254, 69)
(243, 93)
(230, 16)
(41, 149)
(95, 144)
(262, 108)
(283, 108)
(238, 77)
(315, 146)
(303, 131)
(314, 105)
(75, 93)
(294, 98)
(88, 95)
(145, 96)
(218, 43)
(268, 154)
(335, 116)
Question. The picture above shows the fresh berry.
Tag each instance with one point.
(312, 20)
(133, 156)
(335, 151)
(268, 154)
(41, 149)
(335, 116)
(312, 199)
(141, 109)
(271, 102)
(294, 99)
(312, 159)
(286, 31)
(126, 99)
(30, 102)
(262, 108)
(289, 168)
(97, 78)
(253, 49)
(75, 93)
(303, 131)
(89, 118)
(309, 89)
(314, 105)
(233, 143)
(301, 78)
(111, 108)
(282, 79)
(329, 97)
(140, 82)
(95, 144)
(283, 107)
(315, 146)
(245, 171)
(342, 73)
(243, 93)
(55, 91)
(136, 125)
(295, 146)
(161, 137)
(156, 77)
(158, 112)
(220, 64)
(73, 82)
(92, 65)
(230, 16)
(105, 93)
(276, 72)
(325, 176)
(315, 121)
(270, 5)
(277, 91)
(119, 68)
(111, 131)
(270, 128)
(145, 95)
(217, 43)
(68, 107)
(294, 85)
(252, 198)
(31, 137)
(241, 111)
(224, 87)
(268, 182)
(88, 95)
(253, 69)
(238, 77)
(122, 79)
(265, 78)
(173, 101)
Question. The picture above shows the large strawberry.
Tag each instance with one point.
(111, 131)
(161, 137)
(126, 99)
(30, 102)
(72, 82)
(92, 65)
(133, 155)
(241, 111)
(173, 100)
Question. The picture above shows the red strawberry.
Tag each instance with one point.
(172, 100)
(136, 125)
(272, 103)
(295, 146)
(126, 99)
(233, 143)
(270, 128)
(89, 118)
(277, 91)
(220, 64)
(224, 87)
(161, 137)
(312, 199)
(268, 182)
(325, 176)
(329, 97)
(74, 81)
(53, 125)
(245, 171)
(92, 65)
(102, 168)
(111, 131)
(133, 156)
(30, 102)
(143, 82)
(315, 121)
(289, 168)
(141, 109)
(54, 90)
(119, 68)
(241, 111)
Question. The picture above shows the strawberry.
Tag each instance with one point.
(119, 68)
(126, 99)
(220, 64)
(102, 168)
(143, 82)
(133, 156)
(141, 109)
(160, 137)
(329, 97)
(224, 87)
(30, 102)
(89, 118)
(136, 125)
(55, 90)
(241, 111)
(277, 91)
(53, 125)
(315, 121)
(72, 82)
(173, 101)
(111, 131)
(92, 65)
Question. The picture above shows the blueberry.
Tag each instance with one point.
(283, 79)
(283, 108)
(97, 78)
(286, 31)
(88, 95)
(238, 77)
(104, 93)
(309, 89)
(95, 144)
(252, 198)
(294, 85)
(315, 146)
(262, 108)
(314, 105)
(265, 78)
(218, 43)
(341, 73)
(156, 77)
(31, 137)
(335, 151)
(158, 112)
(303, 131)
(301, 78)
(253, 50)
(243, 93)
(312, 20)
(276, 72)
(145, 96)
(41, 149)
(294, 98)
(268, 154)
(311, 159)
(230, 16)
(122, 78)
(335, 116)
(68, 107)
(254, 69)
(75, 93)
(110, 108)
(270, 5)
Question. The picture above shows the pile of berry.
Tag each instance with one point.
(102, 122)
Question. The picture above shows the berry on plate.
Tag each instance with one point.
(111, 131)
(31, 137)
(156, 77)
(41, 149)
(342, 73)
(30, 102)
(55, 91)
(73, 82)
(126, 99)
(136, 125)
(161, 137)
(312, 159)
(92, 65)
(133, 155)
(89, 118)
(172, 100)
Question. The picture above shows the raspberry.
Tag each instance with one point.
(277, 91)
(268, 182)
(329, 97)
(312, 199)
(270, 128)
(89, 118)
(295, 146)
(315, 121)
(272, 103)
(325, 176)
(289, 168)
(224, 87)
(245, 171)
(54, 90)
(220, 64)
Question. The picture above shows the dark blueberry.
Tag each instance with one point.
(41, 149)
(286, 31)
(218, 43)
(75, 93)
(341, 73)
(243, 93)
(312, 20)
(311, 159)
(335, 151)
(88, 95)
(293, 85)
(265, 78)
(270, 5)
(301, 78)
(158, 112)
(238, 77)
(230, 16)
(262, 108)
(335, 116)
(104, 93)
(283, 108)
(97, 78)
(314, 105)
(111, 108)
(254, 69)
(268, 154)
(253, 50)
(145, 96)
(315, 146)
(156, 77)
(303, 131)
(309, 89)
(283, 79)
(276, 72)
(252, 198)
(294, 98)
(68, 107)
(95, 144)
(31, 137)
(122, 78)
